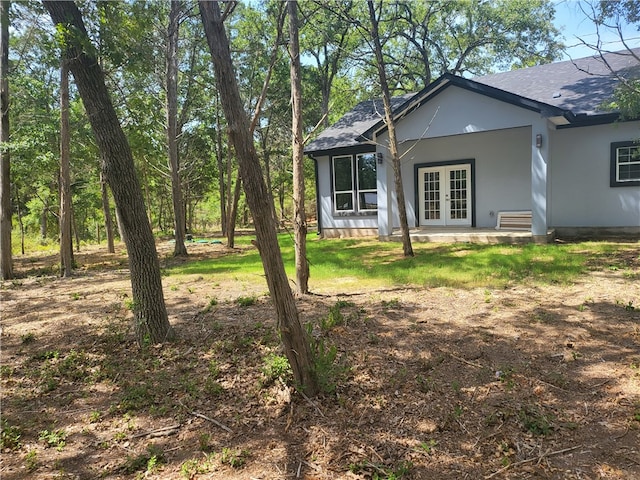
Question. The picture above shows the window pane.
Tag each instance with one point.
(367, 171)
(629, 172)
(368, 200)
(342, 174)
(628, 164)
(344, 201)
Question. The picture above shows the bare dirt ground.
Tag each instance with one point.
(528, 382)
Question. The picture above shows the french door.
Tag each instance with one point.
(444, 195)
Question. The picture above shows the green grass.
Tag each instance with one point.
(357, 263)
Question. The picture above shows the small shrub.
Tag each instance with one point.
(276, 367)
(333, 319)
(9, 436)
(53, 438)
(212, 303)
(28, 338)
(147, 461)
(535, 421)
(246, 301)
(233, 457)
(31, 461)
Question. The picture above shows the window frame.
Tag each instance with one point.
(335, 192)
(615, 165)
(355, 184)
(359, 190)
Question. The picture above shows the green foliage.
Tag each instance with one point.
(329, 369)
(276, 367)
(53, 438)
(535, 420)
(147, 461)
(9, 436)
(28, 338)
(31, 460)
(246, 301)
(372, 263)
(233, 457)
(333, 319)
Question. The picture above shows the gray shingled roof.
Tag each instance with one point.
(579, 86)
(349, 130)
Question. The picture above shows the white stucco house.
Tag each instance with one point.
(530, 149)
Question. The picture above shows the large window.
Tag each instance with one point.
(625, 164)
(354, 183)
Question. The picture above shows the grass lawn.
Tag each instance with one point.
(358, 263)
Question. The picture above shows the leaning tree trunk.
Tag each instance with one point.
(393, 144)
(6, 260)
(294, 339)
(179, 223)
(297, 148)
(150, 313)
(64, 219)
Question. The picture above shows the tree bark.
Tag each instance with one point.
(393, 144)
(6, 258)
(297, 148)
(64, 219)
(106, 211)
(294, 339)
(150, 313)
(179, 221)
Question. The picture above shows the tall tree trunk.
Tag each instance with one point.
(106, 212)
(20, 222)
(297, 149)
(232, 211)
(6, 259)
(294, 339)
(222, 189)
(150, 313)
(179, 222)
(64, 219)
(393, 144)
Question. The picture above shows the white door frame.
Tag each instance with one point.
(447, 194)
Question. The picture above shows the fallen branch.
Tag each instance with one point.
(311, 402)
(460, 359)
(158, 432)
(215, 422)
(529, 460)
(204, 417)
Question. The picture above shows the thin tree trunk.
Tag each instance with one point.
(232, 212)
(20, 222)
(393, 144)
(179, 223)
(150, 313)
(222, 189)
(294, 339)
(64, 219)
(297, 148)
(106, 211)
(6, 258)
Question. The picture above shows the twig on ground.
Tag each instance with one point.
(212, 420)
(460, 359)
(158, 432)
(311, 402)
(532, 459)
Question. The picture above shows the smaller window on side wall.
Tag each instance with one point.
(367, 182)
(625, 164)
(343, 184)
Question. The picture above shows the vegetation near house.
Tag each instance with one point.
(492, 346)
